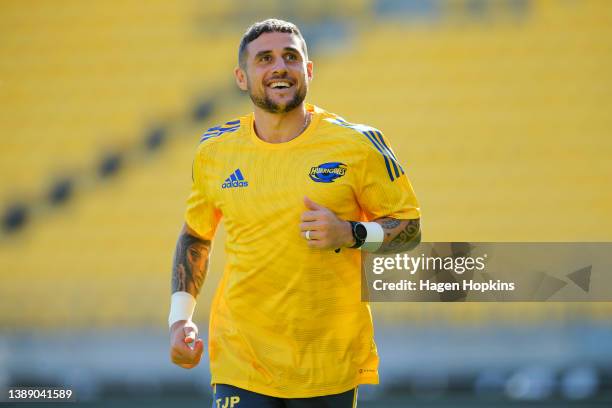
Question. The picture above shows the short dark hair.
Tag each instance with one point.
(271, 25)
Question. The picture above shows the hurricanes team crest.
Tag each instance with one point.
(327, 172)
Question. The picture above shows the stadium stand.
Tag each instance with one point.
(80, 79)
(501, 117)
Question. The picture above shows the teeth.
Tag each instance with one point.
(279, 84)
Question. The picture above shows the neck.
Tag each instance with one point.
(280, 127)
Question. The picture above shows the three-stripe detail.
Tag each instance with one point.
(394, 169)
(390, 160)
(216, 131)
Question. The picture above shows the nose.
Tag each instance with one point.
(279, 66)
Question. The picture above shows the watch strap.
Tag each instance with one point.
(358, 241)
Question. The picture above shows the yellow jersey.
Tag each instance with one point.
(287, 320)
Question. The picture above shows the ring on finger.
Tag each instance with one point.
(308, 235)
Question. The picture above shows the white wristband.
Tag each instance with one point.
(182, 305)
(375, 237)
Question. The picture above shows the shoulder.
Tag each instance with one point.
(369, 141)
(215, 136)
(350, 128)
(217, 132)
(365, 137)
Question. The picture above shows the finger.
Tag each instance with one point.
(310, 215)
(179, 358)
(182, 349)
(313, 243)
(182, 353)
(311, 205)
(314, 235)
(310, 226)
(190, 333)
(199, 348)
(188, 355)
(190, 338)
(196, 353)
(188, 330)
(321, 243)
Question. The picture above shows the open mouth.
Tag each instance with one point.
(280, 84)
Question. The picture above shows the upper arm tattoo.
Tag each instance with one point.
(190, 264)
(389, 224)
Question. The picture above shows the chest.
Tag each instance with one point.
(259, 184)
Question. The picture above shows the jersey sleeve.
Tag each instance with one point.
(201, 214)
(385, 189)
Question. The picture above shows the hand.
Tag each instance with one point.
(185, 346)
(327, 231)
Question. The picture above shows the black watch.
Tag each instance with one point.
(360, 233)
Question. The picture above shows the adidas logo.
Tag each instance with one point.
(236, 179)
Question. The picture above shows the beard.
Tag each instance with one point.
(266, 103)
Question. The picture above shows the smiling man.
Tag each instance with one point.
(302, 192)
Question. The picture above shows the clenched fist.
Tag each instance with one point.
(185, 346)
(323, 229)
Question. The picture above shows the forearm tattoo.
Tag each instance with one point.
(190, 264)
(400, 235)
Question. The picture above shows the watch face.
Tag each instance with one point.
(361, 232)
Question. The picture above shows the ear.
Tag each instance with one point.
(309, 70)
(241, 78)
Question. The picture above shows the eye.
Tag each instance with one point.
(265, 58)
(291, 57)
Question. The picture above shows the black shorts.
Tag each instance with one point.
(228, 396)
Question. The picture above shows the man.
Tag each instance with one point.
(292, 183)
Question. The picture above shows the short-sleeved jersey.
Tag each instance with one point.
(288, 320)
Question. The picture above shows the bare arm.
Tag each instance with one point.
(188, 273)
(190, 262)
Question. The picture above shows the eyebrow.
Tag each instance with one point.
(265, 52)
